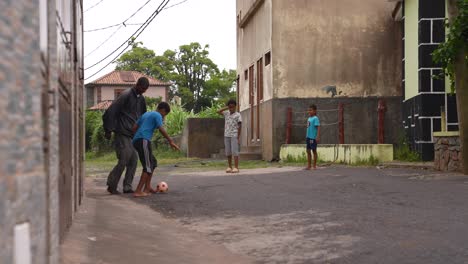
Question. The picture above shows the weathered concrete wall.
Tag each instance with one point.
(203, 137)
(266, 130)
(346, 153)
(360, 122)
(352, 44)
(253, 42)
(447, 152)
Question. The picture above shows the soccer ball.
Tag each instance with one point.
(162, 187)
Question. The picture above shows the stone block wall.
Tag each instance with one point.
(23, 180)
(203, 137)
(30, 128)
(447, 154)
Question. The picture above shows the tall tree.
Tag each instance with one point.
(221, 86)
(193, 68)
(137, 59)
(453, 55)
(195, 77)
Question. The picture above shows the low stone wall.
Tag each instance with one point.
(346, 153)
(202, 137)
(447, 153)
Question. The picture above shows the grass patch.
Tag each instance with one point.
(300, 161)
(371, 161)
(222, 164)
(403, 152)
(104, 162)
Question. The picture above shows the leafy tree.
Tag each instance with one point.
(193, 68)
(221, 86)
(137, 59)
(453, 56)
(195, 77)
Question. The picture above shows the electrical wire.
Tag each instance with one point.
(143, 27)
(93, 6)
(121, 23)
(154, 14)
(181, 2)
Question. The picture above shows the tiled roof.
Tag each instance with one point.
(101, 106)
(126, 78)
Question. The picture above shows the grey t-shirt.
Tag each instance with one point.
(231, 123)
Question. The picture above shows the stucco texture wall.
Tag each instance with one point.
(253, 42)
(202, 137)
(107, 92)
(352, 44)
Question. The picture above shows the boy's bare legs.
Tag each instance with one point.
(315, 159)
(236, 162)
(229, 161)
(141, 184)
(148, 188)
(309, 159)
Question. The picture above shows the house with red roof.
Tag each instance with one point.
(107, 88)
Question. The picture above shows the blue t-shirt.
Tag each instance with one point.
(313, 123)
(147, 123)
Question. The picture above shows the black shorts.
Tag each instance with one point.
(311, 144)
(147, 159)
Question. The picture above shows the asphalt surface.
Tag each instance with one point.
(331, 215)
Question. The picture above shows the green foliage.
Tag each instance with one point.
(99, 142)
(371, 161)
(403, 151)
(174, 124)
(221, 86)
(93, 120)
(211, 111)
(175, 120)
(195, 77)
(448, 53)
(152, 103)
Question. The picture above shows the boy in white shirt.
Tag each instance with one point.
(232, 132)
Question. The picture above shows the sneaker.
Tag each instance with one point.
(228, 170)
(111, 191)
(128, 191)
(235, 170)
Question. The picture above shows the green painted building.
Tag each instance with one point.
(425, 98)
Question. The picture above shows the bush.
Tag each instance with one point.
(403, 151)
(151, 103)
(93, 119)
(211, 112)
(99, 143)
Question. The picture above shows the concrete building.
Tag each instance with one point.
(323, 52)
(109, 87)
(423, 29)
(41, 142)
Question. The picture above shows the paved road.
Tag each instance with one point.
(332, 215)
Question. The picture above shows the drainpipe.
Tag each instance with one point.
(382, 108)
(341, 122)
(288, 125)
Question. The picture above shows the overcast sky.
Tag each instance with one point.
(205, 21)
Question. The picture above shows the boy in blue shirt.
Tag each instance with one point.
(144, 130)
(313, 136)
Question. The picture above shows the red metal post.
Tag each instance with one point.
(341, 122)
(382, 108)
(288, 125)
